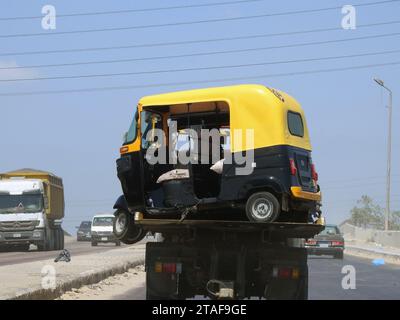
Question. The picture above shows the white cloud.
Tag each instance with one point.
(9, 71)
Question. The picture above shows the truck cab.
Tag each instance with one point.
(26, 216)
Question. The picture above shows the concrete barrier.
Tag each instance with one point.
(77, 282)
(370, 253)
(384, 238)
(24, 281)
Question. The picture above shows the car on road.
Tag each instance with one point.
(102, 230)
(330, 241)
(84, 233)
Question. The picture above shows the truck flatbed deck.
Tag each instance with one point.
(274, 229)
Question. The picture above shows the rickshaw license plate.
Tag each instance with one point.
(17, 235)
(104, 239)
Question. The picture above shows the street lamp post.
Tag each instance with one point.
(389, 153)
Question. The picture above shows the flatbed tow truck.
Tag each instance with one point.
(226, 259)
(232, 197)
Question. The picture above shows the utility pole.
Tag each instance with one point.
(389, 153)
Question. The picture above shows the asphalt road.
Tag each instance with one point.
(372, 282)
(75, 248)
(325, 283)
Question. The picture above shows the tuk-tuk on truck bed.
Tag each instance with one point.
(226, 175)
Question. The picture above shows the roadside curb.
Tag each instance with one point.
(85, 278)
(373, 254)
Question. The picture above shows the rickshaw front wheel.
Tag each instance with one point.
(262, 207)
(125, 229)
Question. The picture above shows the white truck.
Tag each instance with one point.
(31, 210)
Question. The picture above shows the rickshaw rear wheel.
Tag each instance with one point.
(125, 229)
(262, 207)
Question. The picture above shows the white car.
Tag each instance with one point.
(102, 229)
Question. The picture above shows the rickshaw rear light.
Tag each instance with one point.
(293, 169)
(314, 173)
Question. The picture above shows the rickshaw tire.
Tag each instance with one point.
(132, 233)
(270, 200)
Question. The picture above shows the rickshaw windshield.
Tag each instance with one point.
(131, 134)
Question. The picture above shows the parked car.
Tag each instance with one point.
(102, 229)
(84, 233)
(329, 242)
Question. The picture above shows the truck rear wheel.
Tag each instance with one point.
(47, 243)
(61, 239)
(125, 229)
(303, 290)
(262, 207)
(52, 240)
(57, 239)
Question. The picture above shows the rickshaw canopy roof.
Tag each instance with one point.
(251, 107)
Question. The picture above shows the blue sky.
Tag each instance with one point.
(78, 135)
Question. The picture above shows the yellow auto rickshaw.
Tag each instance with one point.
(234, 152)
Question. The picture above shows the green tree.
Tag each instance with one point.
(367, 214)
(394, 223)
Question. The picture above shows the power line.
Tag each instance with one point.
(161, 44)
(364, 185)
(101, 202)
(111, 12)
(191, 22)
(184, 83)
(358, 179)
(200, 68)
(200, 53)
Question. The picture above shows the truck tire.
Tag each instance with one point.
(303, 290)
(125, 229)
(262, 207)
(42, 246)
(61, 239)
(46, 245)
(52, 240)
(57, 239)
(152, 294)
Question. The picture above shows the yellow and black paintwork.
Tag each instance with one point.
(262, 109)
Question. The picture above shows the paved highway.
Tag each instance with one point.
(75, 248)
(372, 282)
